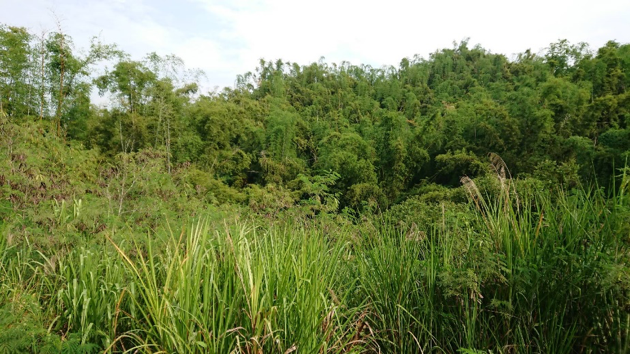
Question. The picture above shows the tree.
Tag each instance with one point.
(16, 86)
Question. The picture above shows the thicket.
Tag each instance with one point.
(462, 203)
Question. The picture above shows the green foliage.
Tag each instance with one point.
(315, 192)
(14, 61)
(460, 163)
(346, 208)
(383, 130)
(237, 289)
(18, 333)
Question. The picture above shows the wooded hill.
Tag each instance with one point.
(373, 135)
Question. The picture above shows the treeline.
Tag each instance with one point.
(336, 134)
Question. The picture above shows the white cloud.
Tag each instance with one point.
(381, 33)
(226, 38)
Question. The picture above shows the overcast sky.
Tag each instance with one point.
(226, 38)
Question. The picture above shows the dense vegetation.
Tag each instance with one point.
(461, 203)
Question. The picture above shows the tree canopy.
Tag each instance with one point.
(381, 131)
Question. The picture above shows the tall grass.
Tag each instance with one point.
(240, 290)
(513, 271)
(541, 274)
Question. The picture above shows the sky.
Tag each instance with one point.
(226, 38)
